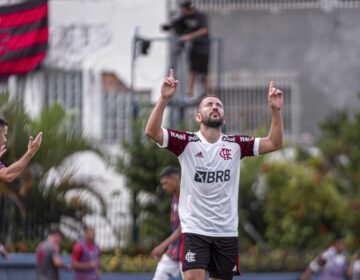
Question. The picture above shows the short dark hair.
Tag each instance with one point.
(187, 4)
(169, 170)
(87, 227)
(206, 96)
(56, 231)
(3, 123)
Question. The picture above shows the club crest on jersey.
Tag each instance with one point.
(190, 257)
(225, 153)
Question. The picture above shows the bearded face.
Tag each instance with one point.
(213, 122)
(211, 112)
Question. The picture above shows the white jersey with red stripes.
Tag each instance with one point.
(210, 174)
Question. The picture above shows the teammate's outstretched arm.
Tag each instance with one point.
(11, 172)
(161, 248)
(274, 140)
(153, 126)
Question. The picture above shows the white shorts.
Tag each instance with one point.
(167, 268)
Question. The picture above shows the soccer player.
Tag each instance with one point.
(10, 173)
(14, 170)
(86, 256)
(169, 264)
(210, 171)
(332, 264)
(48, 260)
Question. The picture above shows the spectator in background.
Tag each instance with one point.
(354, 268)
(192, 27)
(86, 256)
(332, 264)
(48, 258)
(169, 265)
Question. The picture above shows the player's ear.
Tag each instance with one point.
(198, 117)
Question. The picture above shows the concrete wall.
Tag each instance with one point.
(22, 266)
(322, 48)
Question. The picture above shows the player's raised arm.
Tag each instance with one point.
(153, 126)
(13, 171)
(274, 140)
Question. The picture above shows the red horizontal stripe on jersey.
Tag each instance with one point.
(25, 17)
(21, 65)
(28, 39)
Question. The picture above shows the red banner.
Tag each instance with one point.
(23, 36)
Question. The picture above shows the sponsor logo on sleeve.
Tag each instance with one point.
(178, 135)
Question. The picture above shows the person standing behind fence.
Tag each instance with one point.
(169, 265)
(192, 27)
(48, 260)
(332, 264)
(86, 256)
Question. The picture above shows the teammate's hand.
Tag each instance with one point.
(157, 251)
(92, 265)
(169, 85)
(2, 150)
(34, 145)
(275, 97)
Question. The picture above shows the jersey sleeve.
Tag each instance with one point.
(76, 252)
(249, 146)
(175, 141)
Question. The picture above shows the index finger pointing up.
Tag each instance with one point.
(171, 73)
(272, 84)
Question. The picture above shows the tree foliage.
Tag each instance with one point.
(34, 202)
(141, 164)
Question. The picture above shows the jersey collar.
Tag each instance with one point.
(203, 139)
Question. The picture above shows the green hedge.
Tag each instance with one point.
(256, 261)
(253, 260)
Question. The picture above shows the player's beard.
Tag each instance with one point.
(213, 123)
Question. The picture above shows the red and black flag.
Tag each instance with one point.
(23, 36)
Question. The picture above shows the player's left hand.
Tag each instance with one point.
(275, 97)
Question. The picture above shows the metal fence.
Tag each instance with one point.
(229, 6)
(244, 96)
(112, 227)
(245, 99)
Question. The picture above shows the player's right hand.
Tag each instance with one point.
(169, 85)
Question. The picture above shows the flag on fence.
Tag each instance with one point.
(23, 36)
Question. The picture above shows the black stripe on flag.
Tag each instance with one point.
(26, 28)
(29, 5)
(25, 52)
